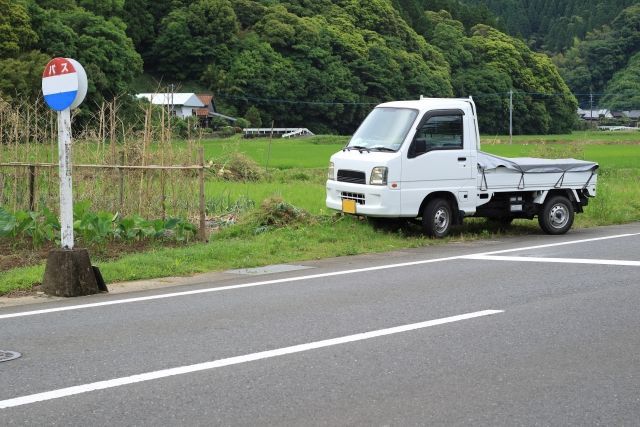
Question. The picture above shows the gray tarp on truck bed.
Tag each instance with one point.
(523, 165)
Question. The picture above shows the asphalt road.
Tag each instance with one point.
(532, 330)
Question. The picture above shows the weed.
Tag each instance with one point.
(236, 166)
(274, 212)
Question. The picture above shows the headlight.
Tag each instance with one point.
(378, 176)
(330, 172)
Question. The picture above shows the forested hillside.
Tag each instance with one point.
(596, 43)
(552, 25)
(321, 64)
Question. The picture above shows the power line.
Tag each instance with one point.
(509, 94)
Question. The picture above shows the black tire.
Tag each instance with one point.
(557, 215)
(437, 218)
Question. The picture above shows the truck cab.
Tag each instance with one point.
(404, 151)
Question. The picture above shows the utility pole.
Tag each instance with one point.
(510, 116)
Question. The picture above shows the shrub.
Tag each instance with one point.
(236, 167)
(274, 212)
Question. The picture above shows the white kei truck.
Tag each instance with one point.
(422, 159)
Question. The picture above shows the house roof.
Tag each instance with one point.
(206, 99)
(168, 98)
(595, 113)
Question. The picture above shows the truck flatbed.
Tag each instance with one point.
(506, 174)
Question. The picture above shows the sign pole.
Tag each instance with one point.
(69, 272)
(66, 192)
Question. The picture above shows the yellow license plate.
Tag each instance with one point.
(348, 206)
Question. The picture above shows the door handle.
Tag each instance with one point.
(462, 159)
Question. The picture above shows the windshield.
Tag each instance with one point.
(384, 129)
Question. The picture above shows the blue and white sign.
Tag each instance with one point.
(64, 83)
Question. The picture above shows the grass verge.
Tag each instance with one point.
(247, 245)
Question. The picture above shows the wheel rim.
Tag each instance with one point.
(558, 216)
(441, 220)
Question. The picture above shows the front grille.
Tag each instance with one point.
(354, 177)
(359, 198)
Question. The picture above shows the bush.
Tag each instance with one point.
(242, 123)
(236, 167)
(274, 212)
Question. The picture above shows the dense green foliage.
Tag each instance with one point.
(590, 64)
(553, 25)
(320, 64)
(91, 227)
(594, 41)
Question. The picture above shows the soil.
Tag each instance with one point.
(22, 253)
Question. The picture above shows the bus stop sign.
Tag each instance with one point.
(64, 83)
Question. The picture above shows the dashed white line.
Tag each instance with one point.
(148, 376)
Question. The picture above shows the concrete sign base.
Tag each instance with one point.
(69, 274)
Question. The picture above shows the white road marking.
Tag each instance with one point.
(571, 242)
(295, 279)
(222, 288)
(554, 260)
(148, 376)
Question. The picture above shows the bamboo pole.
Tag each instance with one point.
(32, 188)
(203, 230)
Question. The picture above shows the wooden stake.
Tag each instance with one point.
(203, 231)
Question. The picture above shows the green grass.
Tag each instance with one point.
(583, 137)
(296, 173)
(609, 156)
(307, 195)
(281, 153)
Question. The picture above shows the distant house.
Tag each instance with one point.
(181, 105)
(208, 112)
(595, 114)
(185, 105)
(633, 116)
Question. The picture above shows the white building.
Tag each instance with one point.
(182, 105)
(595, 114)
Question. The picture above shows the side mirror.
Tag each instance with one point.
(418, 147)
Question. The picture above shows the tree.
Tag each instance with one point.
(100, 45)
(253, 117)
(543, 102)
(192, 37)
(16, 34)
(623, 91)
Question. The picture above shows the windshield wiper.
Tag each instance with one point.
(360, 148)
(383, 148)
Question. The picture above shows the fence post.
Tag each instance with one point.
(203, 230)
(32, 188)
(121, 186)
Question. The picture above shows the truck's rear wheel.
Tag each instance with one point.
(437, 218)
(557, 215)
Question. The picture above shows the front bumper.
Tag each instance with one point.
(371, 200)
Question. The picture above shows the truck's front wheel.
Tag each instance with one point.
(556, 216)
(437, 218)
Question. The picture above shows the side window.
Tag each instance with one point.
(441, 132)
